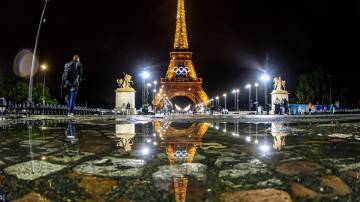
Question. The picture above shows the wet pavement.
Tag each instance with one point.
(161, 160)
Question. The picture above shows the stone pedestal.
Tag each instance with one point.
(123, 97)
(280, 95)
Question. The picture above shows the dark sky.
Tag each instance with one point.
(229, 38)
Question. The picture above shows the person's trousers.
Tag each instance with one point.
(71, 100)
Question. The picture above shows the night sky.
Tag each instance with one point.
(229, 38)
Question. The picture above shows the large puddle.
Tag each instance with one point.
(164, 161)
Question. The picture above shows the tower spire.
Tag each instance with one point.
(181, 38)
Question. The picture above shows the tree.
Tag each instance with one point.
(16, 91)
(313, 87)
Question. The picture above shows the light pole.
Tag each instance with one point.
(225, 95)
(256, 96)
(155, 84)
(148, 86)
(31, 80)
(145, 75)
(217, 102)
(250, 102)
(44, 68)
(265, 78)
(235, 99)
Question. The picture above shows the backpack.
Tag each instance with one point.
(71, 72)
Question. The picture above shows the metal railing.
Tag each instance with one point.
(48, 109)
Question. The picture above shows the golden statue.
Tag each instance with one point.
(279, 84)
(125, 83)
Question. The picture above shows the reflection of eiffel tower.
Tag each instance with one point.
(181, 78)
(181, 145)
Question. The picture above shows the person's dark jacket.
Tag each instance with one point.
(73, 75)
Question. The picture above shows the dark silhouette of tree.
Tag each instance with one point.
(314, 87)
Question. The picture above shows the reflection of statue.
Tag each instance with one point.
(125, 134)
(279, 84)
(126, 82)
(279, 131)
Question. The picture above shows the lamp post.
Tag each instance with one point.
(148, 86)
(248, 86)
(265, 78)
(155, 84)
(235, 99)
(256, 96)
(44, 68)
(145, 75)
(217, 102)
(225, 95)
(31, 80)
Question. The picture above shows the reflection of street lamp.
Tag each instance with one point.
(256, 96)
(225, 95)
(31, 80)
(250, 103)
(44, 67)
(265, 78)
(145, 75)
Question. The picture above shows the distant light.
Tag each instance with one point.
(217, 128)
(145, 74)
(154, 134)
(155, 82)
(224, 130)
(237, 90)
(155, 143)
(217, 97)
(44, 67)
(224, 94)
(233, 91)
(43, 158)
(248, 86)
(154, 90)
(264, 77)
(256, 84)
(148, 140)
(256, 141)
(148, 84)
(248, 138)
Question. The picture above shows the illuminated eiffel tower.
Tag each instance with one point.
(181, 78)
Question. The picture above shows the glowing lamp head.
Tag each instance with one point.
(217, 97)
(248, 86)
(155, 82)
(264, 77)
(145, 74)
(256, 84)
(224, 95)
(148, 84)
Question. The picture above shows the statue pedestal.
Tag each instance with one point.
(280, 95)
(123, 97)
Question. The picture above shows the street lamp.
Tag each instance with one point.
(31, 80)
(44, 67)
(265, 78)
(155, 83)
(235, 99)
(225, 95)
(217, 102)
(145, 75)
(248, 86)
(256, 95)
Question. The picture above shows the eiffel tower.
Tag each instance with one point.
(181, 78)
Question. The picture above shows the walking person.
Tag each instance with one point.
(70, 82)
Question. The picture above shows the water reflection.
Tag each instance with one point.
(70, 132)
(279, 131)
(180, 142)
(125, 134)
